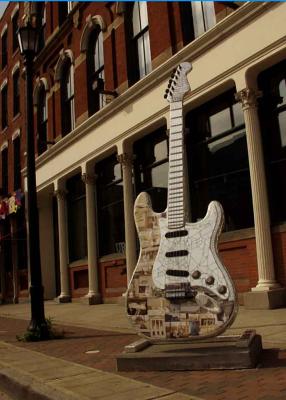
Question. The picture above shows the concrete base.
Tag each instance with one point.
(222, 352)
(63, 299)
(91, 300)
(265, 300)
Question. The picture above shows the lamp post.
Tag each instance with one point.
(28, 43)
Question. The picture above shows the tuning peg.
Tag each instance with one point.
(167, 91)
(174, 70)
(165, 96)
(169, 84)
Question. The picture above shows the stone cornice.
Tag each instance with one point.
(231, 24)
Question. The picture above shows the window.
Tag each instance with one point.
(204, 15)
(16, 92)
(42, 119)
(139, 53)
(15, 30)
(4, 49)
(151, 168)
(95, 71)
(41, 23)
(76, 206)
(218, 161)
(272, 108)
(63, 11)
(4, 106)
(67, 97)
(4, 155)
(110, 206)
(17, 163)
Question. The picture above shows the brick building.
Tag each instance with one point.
(101, 126)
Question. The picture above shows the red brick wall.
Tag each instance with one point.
(16, 122)
(279, 250)
(239, 257)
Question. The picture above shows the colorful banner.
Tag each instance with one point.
(11, 205)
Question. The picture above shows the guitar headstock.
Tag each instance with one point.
(178, 84)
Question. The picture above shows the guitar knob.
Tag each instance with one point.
(210, 280)
(196, 274)
(222, 289)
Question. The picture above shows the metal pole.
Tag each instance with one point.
(38, 322)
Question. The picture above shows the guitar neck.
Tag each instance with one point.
(176, 203)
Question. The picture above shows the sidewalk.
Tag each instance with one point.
(82, 365)
(271, 324)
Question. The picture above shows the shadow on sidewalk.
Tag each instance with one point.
(273, 358)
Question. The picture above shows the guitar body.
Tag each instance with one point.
(180, 289)
(172, 306)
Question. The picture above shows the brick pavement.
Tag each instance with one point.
(267, 382)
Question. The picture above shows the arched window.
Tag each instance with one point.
(197, 17)
(41, 23)
(95, 70)
(67, 96)
(42, 119)
(139, 53)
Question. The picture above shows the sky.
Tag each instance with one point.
(3, 5)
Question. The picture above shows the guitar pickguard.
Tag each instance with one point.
(197, 302)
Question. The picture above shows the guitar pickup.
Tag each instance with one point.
(175, 234)
(177, 272)
(177, 253)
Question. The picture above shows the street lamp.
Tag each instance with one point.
(28, 43)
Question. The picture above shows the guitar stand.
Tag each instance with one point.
(221, 352)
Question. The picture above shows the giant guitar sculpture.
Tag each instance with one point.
(179, 289)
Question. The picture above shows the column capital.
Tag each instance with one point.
(248, 97)
(89, 179)
(125, 159)
(60, 194)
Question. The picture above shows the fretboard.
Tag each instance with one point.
(176, 205)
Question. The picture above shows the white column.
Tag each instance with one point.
(126, 160)
(93, 295)
(64, 297)
(266, 273)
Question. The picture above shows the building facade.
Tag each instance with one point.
(101, 134)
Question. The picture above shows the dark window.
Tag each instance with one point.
(16, 92)
(67, 97)
(95, 71)
(273, 125)
(15, 29)
(151, 168)
(41, 23)
(7, 248)
(63, 11)
(4, 50)
(76, 205)
(110, 206)
(4, 106)
(138, 42)
(42, 119)
(218, 161)
(4, 155)
(21, 237)
(17, 163)
(204, 15)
